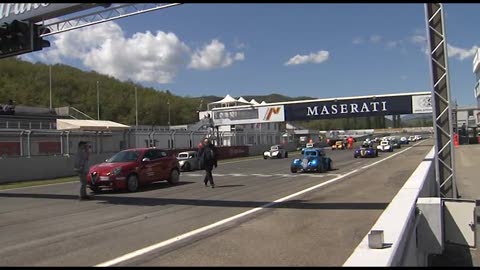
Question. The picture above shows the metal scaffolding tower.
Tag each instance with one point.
(441, 102)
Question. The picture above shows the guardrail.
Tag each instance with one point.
(399, 223)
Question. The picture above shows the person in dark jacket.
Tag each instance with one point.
(208, 155)
(81, 167)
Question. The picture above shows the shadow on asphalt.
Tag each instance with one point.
(142, 201)
(424, 145)
(149, 187)
(452, 256)
(227, 186)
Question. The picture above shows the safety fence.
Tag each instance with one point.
(49, 153)
(42, 142)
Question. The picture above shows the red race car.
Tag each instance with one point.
(132, 168)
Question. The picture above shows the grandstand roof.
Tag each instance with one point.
(89, 125)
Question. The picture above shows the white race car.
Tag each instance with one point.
(276, 151)
(385, 146)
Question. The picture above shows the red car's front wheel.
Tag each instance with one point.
(132, 183)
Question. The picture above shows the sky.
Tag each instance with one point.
(314, 50)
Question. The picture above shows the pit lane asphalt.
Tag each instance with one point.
(48, 226)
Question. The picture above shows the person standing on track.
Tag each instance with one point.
(208, 155)
(81, 167)
(350, 142)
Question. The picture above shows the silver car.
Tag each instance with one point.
(189, 161)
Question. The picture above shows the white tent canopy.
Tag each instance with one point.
(263, 102)
(242, 100)
(226, 99)
(254, 102)
(89, 125)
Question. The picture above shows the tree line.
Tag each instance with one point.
(29, 84)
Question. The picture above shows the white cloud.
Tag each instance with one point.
(455, 52)
(319, 57)
(239, 45)
(392, 44)
(460, 53)
(421, 41)
(145, 57)
(105, 49)
(357, 40)
(213, 56)
(418, 39)
(375, 38)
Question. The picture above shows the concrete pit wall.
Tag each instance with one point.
(41, 167)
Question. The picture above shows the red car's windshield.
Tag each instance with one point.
(124, 156)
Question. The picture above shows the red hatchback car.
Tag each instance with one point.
(132, 168)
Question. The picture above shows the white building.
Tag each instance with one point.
(253, 133)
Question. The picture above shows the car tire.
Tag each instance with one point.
(355, 156)
(376, 153)
(174, 177)
(132, 183)
(330, 167)
(293, 169)
(286, 154)
(187, 167)
(264, 157)
(320, 168)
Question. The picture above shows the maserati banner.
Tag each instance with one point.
(358, 107)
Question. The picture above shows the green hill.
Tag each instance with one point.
(28, 84)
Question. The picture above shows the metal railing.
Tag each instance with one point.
(399, 223)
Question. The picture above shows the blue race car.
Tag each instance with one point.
(365, 152)
(314, 160)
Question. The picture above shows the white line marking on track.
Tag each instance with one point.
(175, 239)
(285, 175)
(315, 175)
(261, 175)
(191, 174)
(237, 174)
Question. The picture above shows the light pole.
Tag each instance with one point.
(98, 103)
(168, 102)
(50, 72)
(136, 109)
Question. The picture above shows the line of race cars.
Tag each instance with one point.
(129, 169)
(384, 144)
